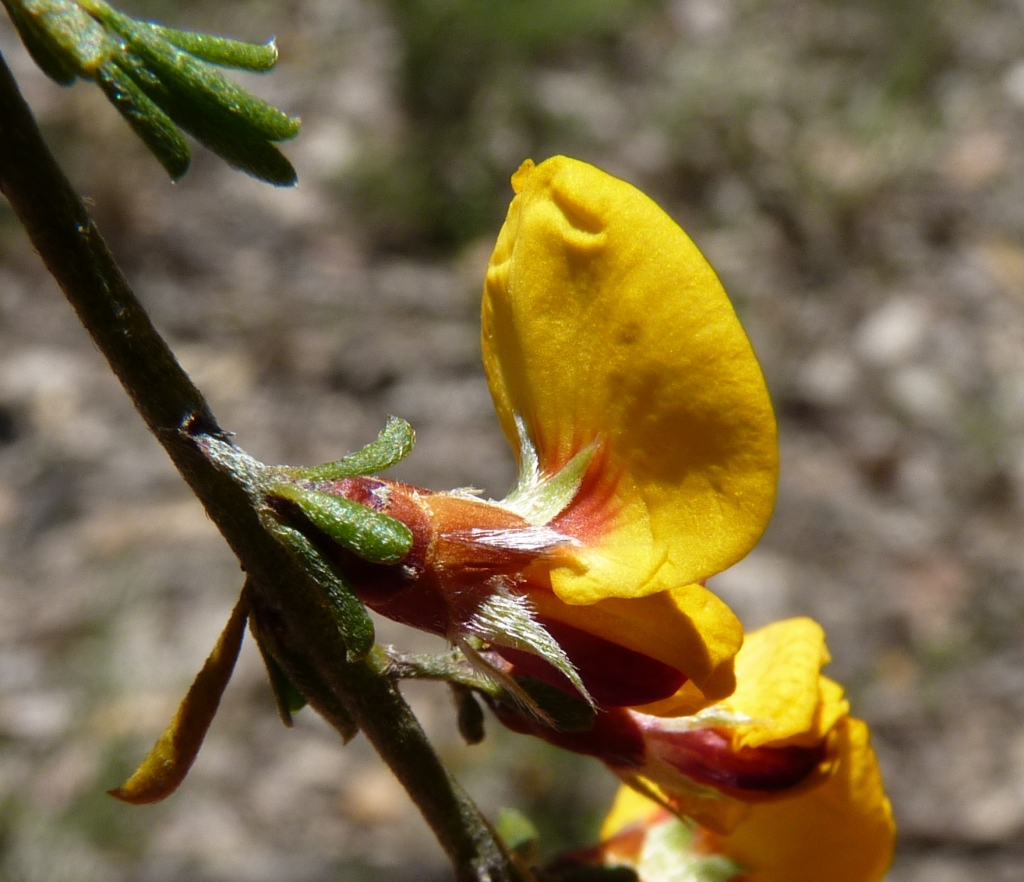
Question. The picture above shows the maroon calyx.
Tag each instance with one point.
(614, 737)
(708, 757)
(614, 676)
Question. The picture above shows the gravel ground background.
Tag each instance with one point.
(850, 170)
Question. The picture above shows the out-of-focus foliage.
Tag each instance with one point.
(464, 85)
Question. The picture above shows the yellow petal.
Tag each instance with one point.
(166, 765)
(780, 688)
(842, 831)
(831, 709)
(686, 702)
(603, 322)
(687, 628)
(705, 806)
(628, 809)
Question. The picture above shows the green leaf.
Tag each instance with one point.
(149, 122)
(229, 137)
(193, 76)
(223, 51)
(40, 47)
(366, 533)
(391, 446)
(69, 32)
(353, 621)
(161, 79)
(288, 699)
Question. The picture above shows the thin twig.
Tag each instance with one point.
(287, 601)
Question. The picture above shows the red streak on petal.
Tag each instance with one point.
(707, 756)
(593, 510)
(614, 676)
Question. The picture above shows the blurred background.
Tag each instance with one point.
(850, 170)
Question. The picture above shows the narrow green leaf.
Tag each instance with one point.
(72, 34)
(223, 51)
(369, 534)
(391, 446)
(69, 38)
(348, 609)
(353, 621)
(230, 138)
(189, 73)
(287, 695)
(193, 77)
(288, 699)
(51, 60)
(149, 122)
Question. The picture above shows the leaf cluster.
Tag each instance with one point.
(163, 81)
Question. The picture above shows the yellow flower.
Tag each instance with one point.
(646, 444)
(647, 459)
(835, 824)
(841, 830)
(603, 324)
